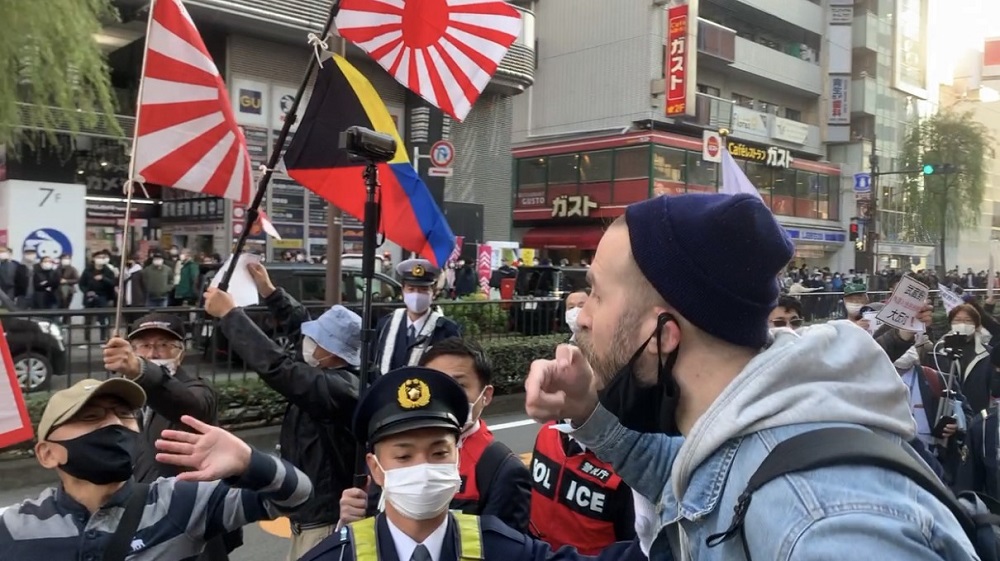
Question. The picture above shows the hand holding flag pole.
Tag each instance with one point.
(253, 211)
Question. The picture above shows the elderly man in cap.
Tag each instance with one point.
(88, 434)
(320, 384)
(671, 343)
(412, 418)
(404, 336)
(152, 357)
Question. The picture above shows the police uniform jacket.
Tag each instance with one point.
(485, 539)
(442, 329)
(315, 433)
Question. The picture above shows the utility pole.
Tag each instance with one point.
(334, 237)
(871, 232)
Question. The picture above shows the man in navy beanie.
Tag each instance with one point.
(674, 341)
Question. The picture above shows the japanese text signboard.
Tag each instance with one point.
(568, 206)
(679, 72)
(904, 304)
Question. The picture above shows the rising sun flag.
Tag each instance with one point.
(342, 98)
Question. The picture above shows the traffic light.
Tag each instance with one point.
(938, 169)
(854, 232)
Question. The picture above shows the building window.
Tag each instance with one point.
(632, 163)
(701, 175)
(762, 178)
(595, 167)
(563, 169)
(709, 90)
(793, 114)
(743, 100)
(806, 192)
(668, 164)
(531, 173)
(783, 195)
(996, 214)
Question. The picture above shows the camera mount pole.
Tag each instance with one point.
(253, 211)
(369, 240)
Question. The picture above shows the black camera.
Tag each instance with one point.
(366, 144)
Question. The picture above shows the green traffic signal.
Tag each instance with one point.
(939, 169)
(929, 169)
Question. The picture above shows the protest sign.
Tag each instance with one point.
(949, 299)
(15, 425)
(904, 304)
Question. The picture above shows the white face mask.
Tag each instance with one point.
(472, 411)
(420, 492)
(308, 350)
(571, 315)
(100, 262)
(963, 328)
(853, 309)
(910, 359)
(417, 302)
(158, 262)
(4, 256)
(169, 363)
(65, 262)
(48, 266)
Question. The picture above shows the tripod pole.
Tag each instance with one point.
(369, 239)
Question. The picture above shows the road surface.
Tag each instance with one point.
(516, 431)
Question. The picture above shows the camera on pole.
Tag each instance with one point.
(368, 145)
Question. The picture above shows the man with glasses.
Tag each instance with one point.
(152, 357)
(788, 313)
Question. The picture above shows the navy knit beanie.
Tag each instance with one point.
(715, 258)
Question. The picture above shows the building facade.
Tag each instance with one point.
(260, 47)
(593, 134)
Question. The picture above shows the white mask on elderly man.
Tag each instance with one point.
(308, 351)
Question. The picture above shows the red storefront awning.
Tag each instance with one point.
(563, 237)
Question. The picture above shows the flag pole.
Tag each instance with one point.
(130, 184)
(253, 212)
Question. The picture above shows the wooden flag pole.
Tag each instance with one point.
(253, 212)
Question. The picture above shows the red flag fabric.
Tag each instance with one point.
(446, 51)
(15, 425)
(186, 135)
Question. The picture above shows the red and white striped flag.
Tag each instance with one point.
(446, 51)
(185, 134)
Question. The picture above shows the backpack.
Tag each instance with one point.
(855, 446)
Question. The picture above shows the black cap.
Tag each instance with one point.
(407, 399)
(168, 323)
(418, 272)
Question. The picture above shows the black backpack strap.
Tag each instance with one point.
(487, 468)
(839, 446)
(120, 544)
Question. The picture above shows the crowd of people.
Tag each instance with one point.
(683, 393)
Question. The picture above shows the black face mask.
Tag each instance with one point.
(102, 457)
(645, 409)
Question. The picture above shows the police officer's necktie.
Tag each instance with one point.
(421, 554)
(411, 335)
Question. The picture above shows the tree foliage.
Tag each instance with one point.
(55, 76)
(944, 203)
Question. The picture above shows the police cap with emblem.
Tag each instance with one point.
(418, 272)
(410, 398)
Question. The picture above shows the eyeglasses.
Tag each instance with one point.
(159, 346)
(794, 323)
(97, 413)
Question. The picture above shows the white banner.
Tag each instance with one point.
(904, 304)
(949, 299)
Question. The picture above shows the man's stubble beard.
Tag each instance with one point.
(619, 352)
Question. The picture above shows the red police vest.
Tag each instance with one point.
(472, 449)
(570, 494)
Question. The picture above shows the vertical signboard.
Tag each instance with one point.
(909, 58)
(840, 109)
(681, 51)
(991, 61)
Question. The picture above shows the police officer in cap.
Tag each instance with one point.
(411, 418)
(408, 332)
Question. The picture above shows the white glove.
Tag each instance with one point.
(647, 523)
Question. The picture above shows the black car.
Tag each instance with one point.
(37, 349)
(306, 283)
(546, 287)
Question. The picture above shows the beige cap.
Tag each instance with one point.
(65, 403)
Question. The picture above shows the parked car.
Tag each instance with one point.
(306, 283)
(547, 288)
(37, 349)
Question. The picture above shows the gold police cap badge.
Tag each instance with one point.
(417, 271)
(413, 394)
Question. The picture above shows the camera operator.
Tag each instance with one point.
(320, 384)
(88, 434)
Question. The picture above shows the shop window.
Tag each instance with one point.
(743, 100)
(563, 169)
(668, 164)
(833, 198)
(763, 179)
(701, 175)
(783, 195)
(595, 167)
(531, 172)
(823, 188)
(806, 192)
(632, 163)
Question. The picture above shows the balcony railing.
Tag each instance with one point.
(778, 67)
(716, 40)
(711, 112)
(864, 96)
(800, 13)
(865, 31)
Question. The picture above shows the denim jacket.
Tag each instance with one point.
(832, 375)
